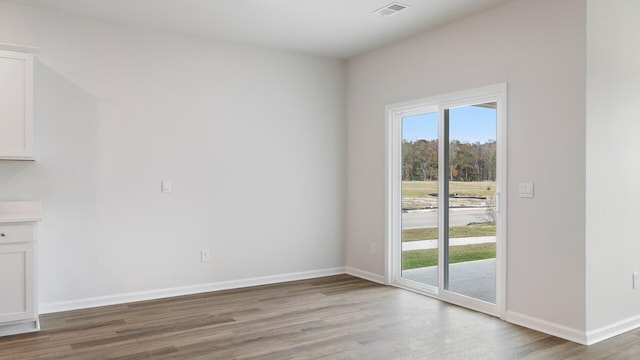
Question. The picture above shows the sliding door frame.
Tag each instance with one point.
(393, 231)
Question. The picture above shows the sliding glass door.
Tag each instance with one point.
(446, 168)
(471, 186)
(419, 237)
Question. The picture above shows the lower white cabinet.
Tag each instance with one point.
(18, 298)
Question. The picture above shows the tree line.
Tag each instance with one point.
(467, 161)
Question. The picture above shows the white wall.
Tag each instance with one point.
(538, 48)
(613, 133)
(253, 140)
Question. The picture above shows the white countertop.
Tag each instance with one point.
(20, 211)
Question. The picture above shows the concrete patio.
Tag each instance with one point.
(476, 279)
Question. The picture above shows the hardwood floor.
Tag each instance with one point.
(338, 317)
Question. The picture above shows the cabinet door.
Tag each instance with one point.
(16, 282)
(16, 105)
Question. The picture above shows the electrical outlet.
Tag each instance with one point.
(373, 248)
(204, 255)
(636, 280)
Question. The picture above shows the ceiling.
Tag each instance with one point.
(330, 28)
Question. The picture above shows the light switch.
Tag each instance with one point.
(166, 186)
(526, 190)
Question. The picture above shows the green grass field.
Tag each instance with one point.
(429, 257)
(424, 188)
(480, 229)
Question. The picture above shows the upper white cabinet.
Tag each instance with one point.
(16, 104)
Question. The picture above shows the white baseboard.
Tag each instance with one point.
(612, 330)
(46, 308)
(547, 327)
(366, 275)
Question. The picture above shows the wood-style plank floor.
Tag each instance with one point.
(338, 317)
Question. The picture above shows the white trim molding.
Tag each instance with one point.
(46, 308)
(612, 330)
(547, 327)
(20, 48)
(376, 278)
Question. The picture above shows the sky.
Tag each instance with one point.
(466, 124)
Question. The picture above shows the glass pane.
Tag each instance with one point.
(472, 187)
(420, 198)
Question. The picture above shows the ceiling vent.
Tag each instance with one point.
(390, 9)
